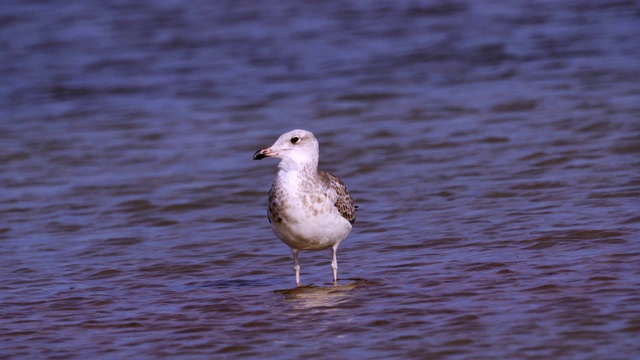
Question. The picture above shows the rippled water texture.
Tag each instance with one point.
(493, 150)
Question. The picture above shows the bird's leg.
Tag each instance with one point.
(296, 265)
(334, 264)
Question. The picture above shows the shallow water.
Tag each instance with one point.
(493, 152)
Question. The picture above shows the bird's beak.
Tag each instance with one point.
(261, 154)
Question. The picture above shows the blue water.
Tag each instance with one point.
(492, 150)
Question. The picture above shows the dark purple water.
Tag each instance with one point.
(493, 150)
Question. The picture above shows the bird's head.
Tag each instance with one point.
(296, 147)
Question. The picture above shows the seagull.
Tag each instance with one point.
(309, 209)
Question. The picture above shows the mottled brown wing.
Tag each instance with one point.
(344, 202)
(274, 208)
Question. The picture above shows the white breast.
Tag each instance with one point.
(305, 217)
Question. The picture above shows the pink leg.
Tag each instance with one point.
(334, 264)
(296, 265)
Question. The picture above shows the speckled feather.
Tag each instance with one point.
(330, 184)
(344, 202)
(308, 209)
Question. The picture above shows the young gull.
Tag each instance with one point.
(309, 209)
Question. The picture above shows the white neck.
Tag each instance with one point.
(287, 165)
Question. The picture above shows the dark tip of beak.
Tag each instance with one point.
(258, 155)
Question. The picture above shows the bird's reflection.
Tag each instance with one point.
(311, 296)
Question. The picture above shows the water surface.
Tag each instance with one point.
(493, 151)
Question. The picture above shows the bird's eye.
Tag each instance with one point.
(295, 139)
